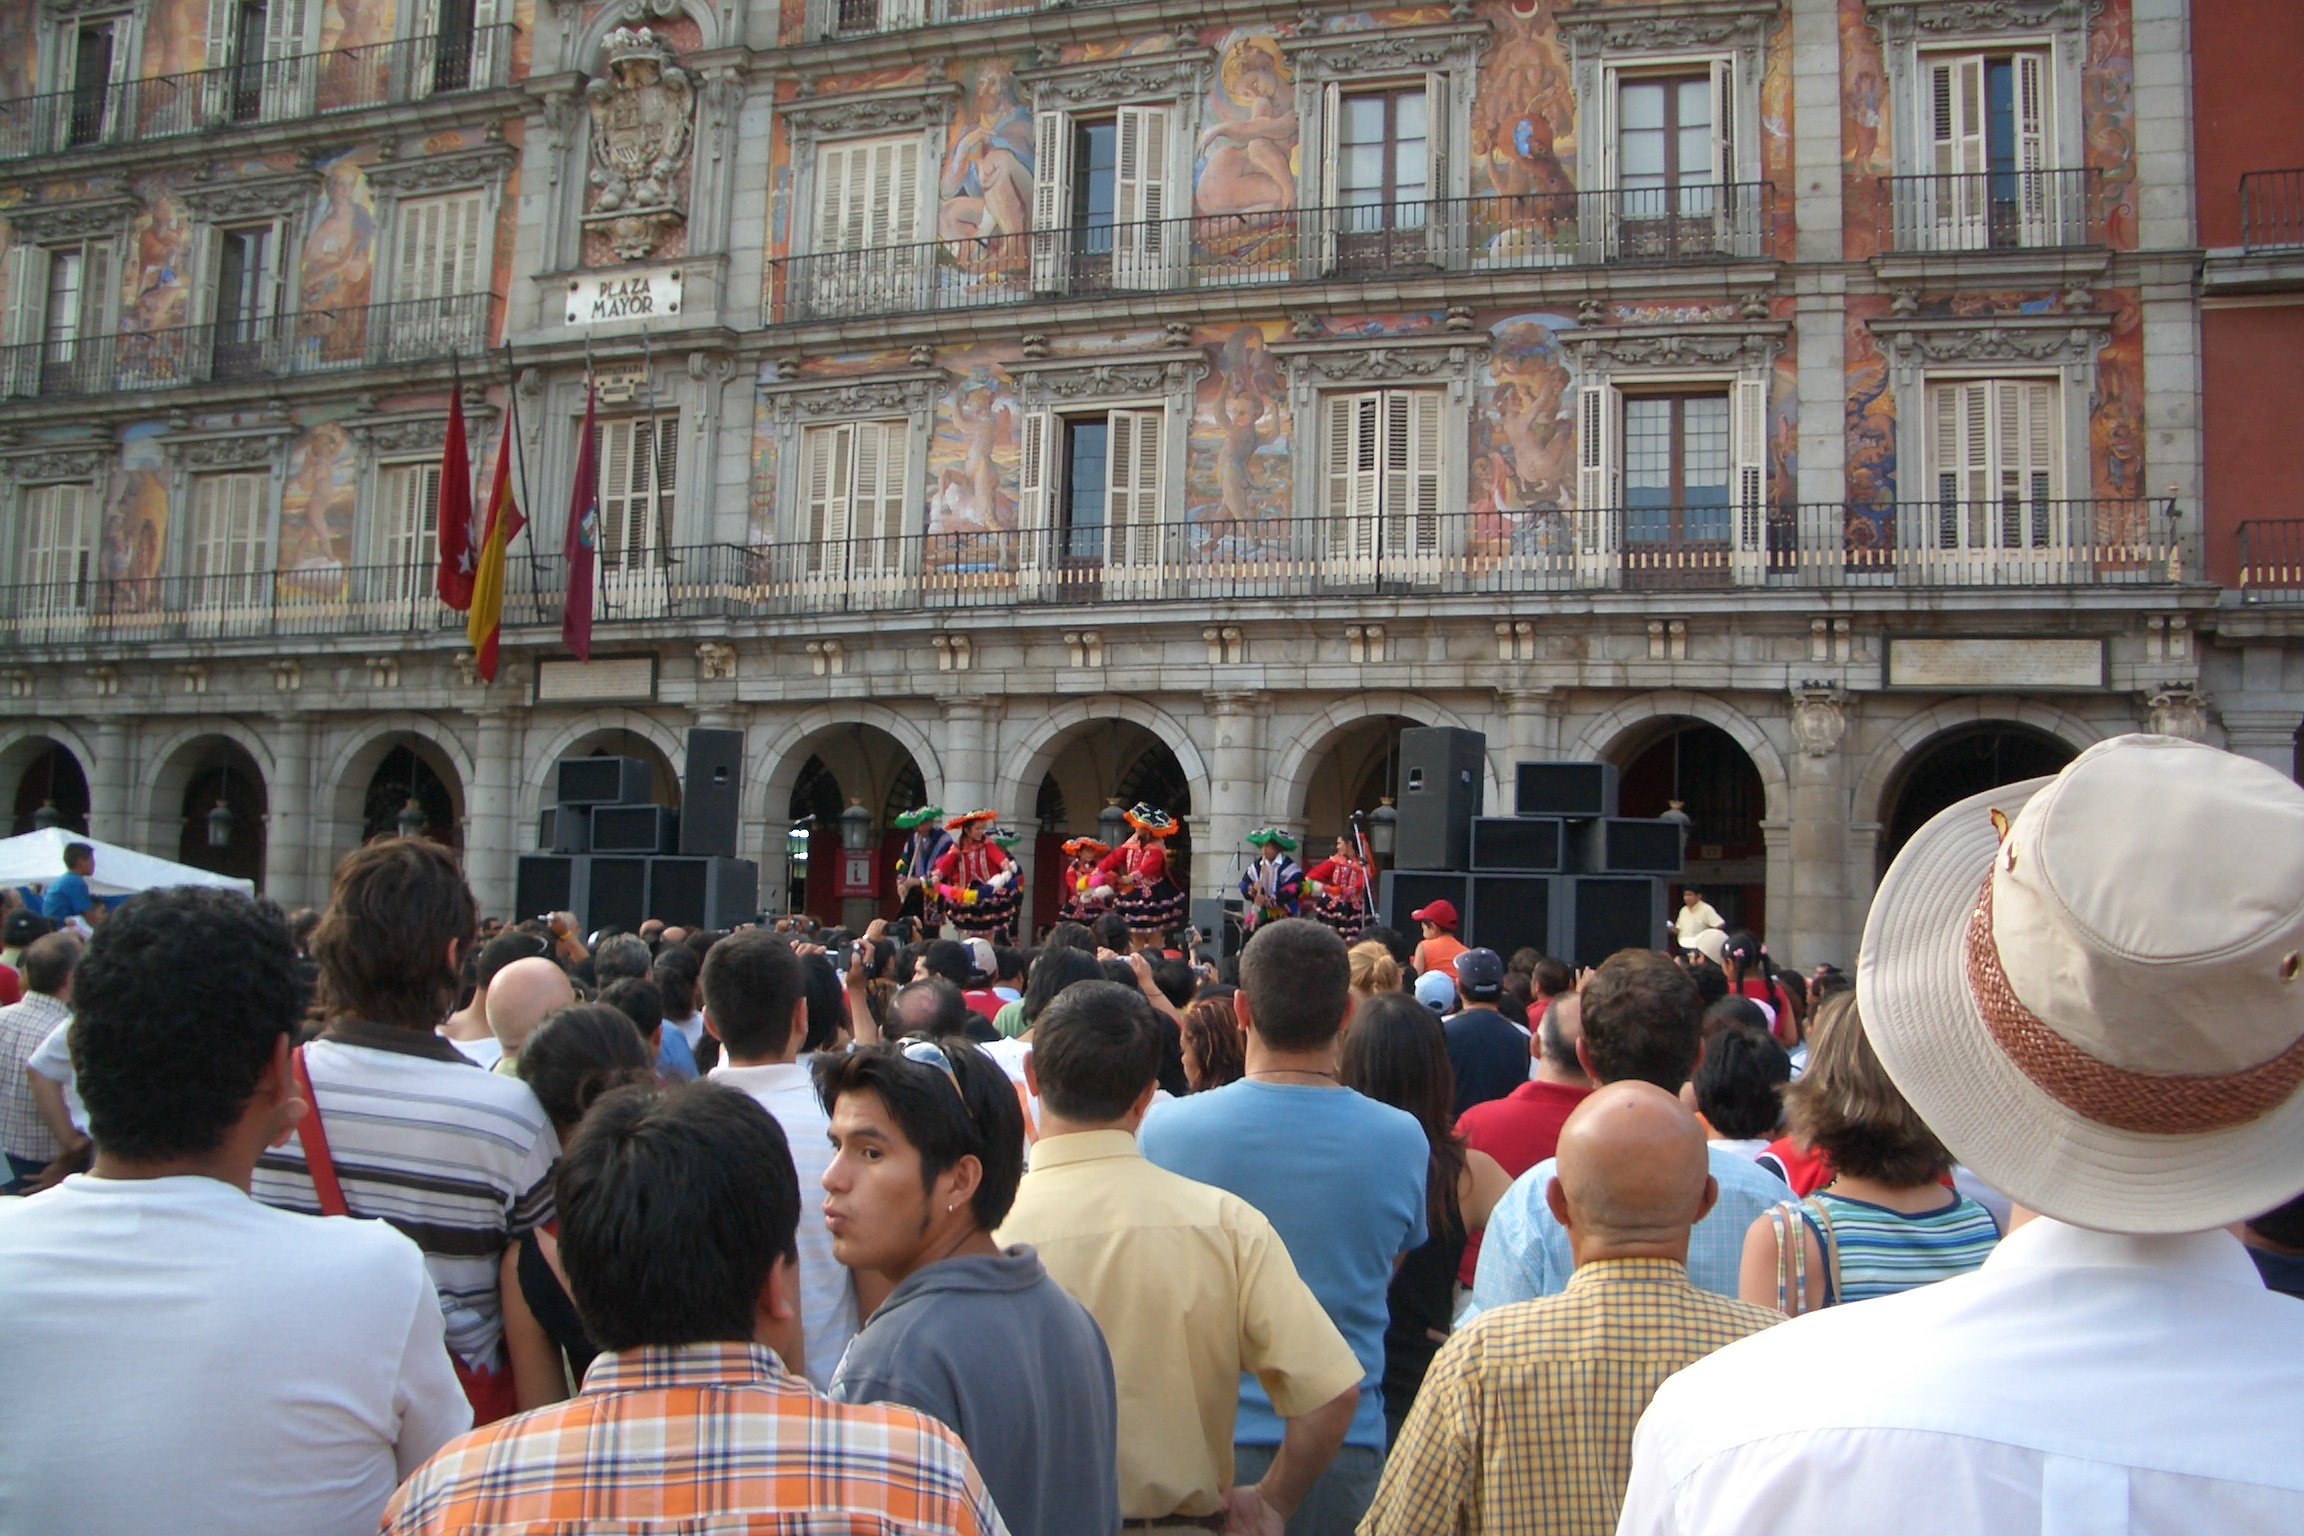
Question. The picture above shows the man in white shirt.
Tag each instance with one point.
(2094, 1005)
(1694, 916)
(756, 1006)
(181, 1358)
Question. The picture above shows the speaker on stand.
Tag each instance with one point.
(1443, 781)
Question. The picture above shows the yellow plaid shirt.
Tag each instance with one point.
(1524, 1423)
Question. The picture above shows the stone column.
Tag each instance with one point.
(288, 806)
(1531, 735)
(2269, 736)
(111, 813)
(1816, 915)
(967, 754)
(1235, 788)
(489, 834)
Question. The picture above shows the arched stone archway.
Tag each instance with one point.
(620, 733)
(829, 769)
(768, 791)
(353, 776)
(47, 781)
(1312, 745)
(169, 764)
(1888, 761)
(1960, 761)
(1017, 795)
(1077, 770)
(198, 776)
(1620, 734)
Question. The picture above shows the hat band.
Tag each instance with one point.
(2096, 1090)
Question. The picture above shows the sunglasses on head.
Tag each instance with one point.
(927, 1053)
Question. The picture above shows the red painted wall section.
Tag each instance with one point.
(2252, 377)
(2249, 115)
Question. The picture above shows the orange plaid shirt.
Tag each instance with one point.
(699, 1437)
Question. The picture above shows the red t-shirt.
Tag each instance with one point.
(986, 1003)
(1805, 1170)
(11, 987)
(1519, 1130)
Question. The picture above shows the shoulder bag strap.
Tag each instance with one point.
(317, 1160)
(1830, 1243)
(1791, 1259)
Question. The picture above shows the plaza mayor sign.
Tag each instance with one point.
(624, 295)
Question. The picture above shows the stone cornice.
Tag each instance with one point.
(1438, 356)
(76, 220)
(57, 462)
(1108, 377)
(1629, 348)
(1378, 51)
(442, 173)
(1110, 82)
(860, 112)
(252, 197)
(871, 394)
(2019, 339)
(1592, 27)
(1902, 20)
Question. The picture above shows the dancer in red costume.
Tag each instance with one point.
(1080, 882)
(1136, 876)
(978, 880)
(1338, 889)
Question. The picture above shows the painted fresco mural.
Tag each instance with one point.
(2108, 119)
(1524, 117)
(1237, 489)
(316, 509)
(1523, 448)
(984, 186)
(1867, 128)
(974, 452)
(135, 535)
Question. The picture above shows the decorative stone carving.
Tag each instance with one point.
(1227, 647)
(858, 112)
(643, 131)
(288, 675)
(1040, 382)
(392, 436)
(1618, 348)
(19, 682)
(827, 658)
(467, 665)
(1589, 28)
(105, 680)
(1365, 644)
(383, 671)
(872, 395)
(1035, 346)
(1084, 647)
(1899, 20)
(420, 174)
(193, 675)
(1819, 718)
(2177, 709)
(1179, 75)
(1353, 360)
(254, 197)
(954, 653)
(246, 450)
(2060, 339)
(58, 464)
(1378, 51)
(80, 219)
(715, 661)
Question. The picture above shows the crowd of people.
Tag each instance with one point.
(1356, 1230)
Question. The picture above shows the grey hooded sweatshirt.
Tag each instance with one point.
(996, 1350)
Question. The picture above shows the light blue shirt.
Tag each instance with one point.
(674, 1060)
(1525, 1252)
(1341, 1179)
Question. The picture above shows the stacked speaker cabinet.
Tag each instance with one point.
(618, 886)
(1519, 844)
(543, 883)
(1564, 789)
(1607, 913)
(709, 793)
(1626, 845)
(1511, 911)
(1443, 782)
(565, 829)
(604, 781)
(634, 829)
(703, 892)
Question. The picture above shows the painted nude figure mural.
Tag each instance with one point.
(1247, 152)
(986, 185)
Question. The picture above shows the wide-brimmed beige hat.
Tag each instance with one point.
(2101, 1012)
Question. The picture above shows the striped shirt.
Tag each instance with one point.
(1884, 1251)
(697, 1437)
(22, 1027)
(458, 1159)
(1524, 1422)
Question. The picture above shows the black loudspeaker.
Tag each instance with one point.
(1564, 789)
(1612, 912)
(543, 882)
(1443, 780)
(709, 792)
(618, 888)
(1218, 923)
(565, 829)
(1621, 845)
(1511, 912)
(704, 892)
(1408, 890)
(1530, 844)
(604, 781)
(634, 829)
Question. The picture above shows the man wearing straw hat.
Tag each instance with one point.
(916, 867)
(2092, 988)
(1272, 884)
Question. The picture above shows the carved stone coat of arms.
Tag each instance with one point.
(643, 128)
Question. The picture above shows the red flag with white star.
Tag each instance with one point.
(456, 554)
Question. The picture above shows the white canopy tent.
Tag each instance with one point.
(38, 857)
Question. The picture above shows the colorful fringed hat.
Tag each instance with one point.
(1075, 846)
(1272, 837)
(967, 819)
(913, 820)
(1151, 820)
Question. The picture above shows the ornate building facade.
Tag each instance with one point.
(1793, 401)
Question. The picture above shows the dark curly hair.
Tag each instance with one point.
(178, 1007)
(580, 1053)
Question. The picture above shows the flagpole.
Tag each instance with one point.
(520, 458)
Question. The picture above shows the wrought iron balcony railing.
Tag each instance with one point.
(255, 91)
(1294, 245)
(858, 18)
(2272, 560)
(2272, 210)
(1505, 555)
(1992, 211)
(271, 346)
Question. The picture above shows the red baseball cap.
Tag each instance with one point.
(1441, 912)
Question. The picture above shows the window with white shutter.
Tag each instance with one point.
(437, 276)
(867, 253)
(260, 66)
(407, 540)
(1381, 499)
(96, 57)
(1101, 200)
(1991, 177)
(224, 554)
(1994, 449)
(56, 553)
(60, 317)
(857, 484)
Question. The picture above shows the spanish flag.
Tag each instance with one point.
(504, 525)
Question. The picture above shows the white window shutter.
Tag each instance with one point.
(27, 322)
(1424, 455)
(1958, 211)
(832, 197)
(288, 75)
(1729, 217)
(1051, 200)
(1140, 197)
(223, 28)
(99, 291)
(1960, 424)
(464, 253)
(1132, 488)
(1599, 480)
(1035, 478)
(1748, 434)
(2040, 193)
(486, 46)
(1331, 134)
(1601, 216)
(206, 273)
(826, 493)
(896, 192)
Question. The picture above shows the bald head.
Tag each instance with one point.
(1633, 1175)
(521, 997)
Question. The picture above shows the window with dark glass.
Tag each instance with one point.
(1383, 155)
(1676, 469)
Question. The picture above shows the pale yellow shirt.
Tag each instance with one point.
(1191, 1286)
(1687, 921)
